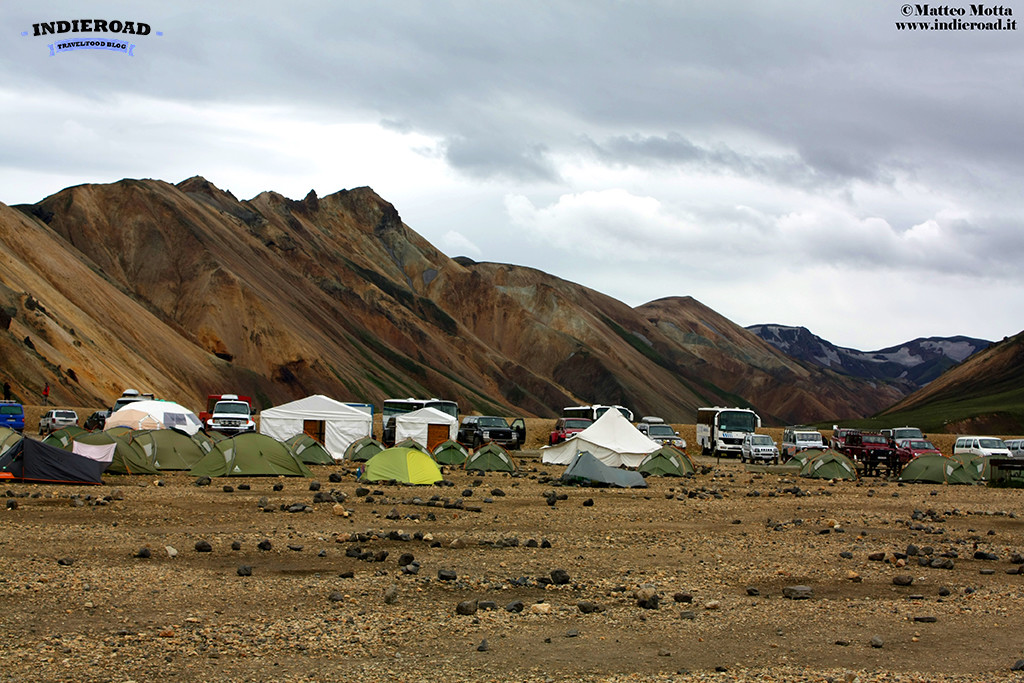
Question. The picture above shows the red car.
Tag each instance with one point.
(908, 449)
(566, 427)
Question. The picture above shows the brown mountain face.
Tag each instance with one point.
(184, 290)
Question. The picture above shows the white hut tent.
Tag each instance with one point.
(332, 423)
(611, 439)
(426, 426)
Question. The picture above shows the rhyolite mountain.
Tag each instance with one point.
(912, 364)
(185, 290)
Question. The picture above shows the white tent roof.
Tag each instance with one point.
(168, 413)
(343, 424)
(413, 425)
(611, 439)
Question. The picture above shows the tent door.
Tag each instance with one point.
(436, 435)
(314, 429)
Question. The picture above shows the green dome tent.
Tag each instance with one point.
(119, 432)
(9, 437)
(800, 458)
(667, 461)
(490, 458)
(167, 449)
(204, 441)
(308, 450)
(450, 453)
(938, 469)
(61, 438)
(978, 465)
(126, 460)
(250, 455)
(410, 443)
(828, 464)
(405, 465)
(363, 449)
(587, 470)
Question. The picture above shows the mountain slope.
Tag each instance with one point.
(185, 290)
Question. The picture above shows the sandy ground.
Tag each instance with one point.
(329, 598)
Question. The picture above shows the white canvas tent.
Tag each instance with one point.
(155, 415)
(330, 422)
(611, 439)
(427, 426)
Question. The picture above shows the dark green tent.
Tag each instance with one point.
(62, 438)
(119, 431)
(167, 449)
(938, 469)
(490, 458)
(250, 455)
(828, 464)
(667, 461)
(800, 458)
(9, 437)
(126, 460)
(204, 441)
(586, 470)
(363, 449)
(450, 453)
(411, 443)
(308, 450)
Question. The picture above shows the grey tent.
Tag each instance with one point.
(586, 470)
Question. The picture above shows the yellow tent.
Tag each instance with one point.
(405, 465)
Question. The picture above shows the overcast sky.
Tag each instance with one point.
(802, 163)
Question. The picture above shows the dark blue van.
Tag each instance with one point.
(12, 415)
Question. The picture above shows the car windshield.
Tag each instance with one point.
(660, 430)
(234, 408)
(761, 440)
(922, 445)
(577, 424)
(809, 437)
(874, 438)
(992, 443)
(493, 422)
(736, 421)
(66, 414)
(907, 433)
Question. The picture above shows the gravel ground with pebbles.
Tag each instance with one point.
(552, 592)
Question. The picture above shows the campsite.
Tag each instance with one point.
(511, 576)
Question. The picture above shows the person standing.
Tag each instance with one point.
(7, 391)
(46, 394)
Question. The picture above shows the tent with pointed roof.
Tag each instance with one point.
(587, 470)
(308, 450)
(167, 449)
(977, 464)
(828, 464)
(611, 439)
(800, 458)
(126, 460)
(62, 438)
(450, 453)
(428, 426)
(667, 461)
(405, 465)
(250, 455)
(340, 424)
(490, 458)
(363, 449)
(410, 443)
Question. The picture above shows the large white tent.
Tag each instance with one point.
(155, 415)
(332, 422)
(425, 426)
(611, 439)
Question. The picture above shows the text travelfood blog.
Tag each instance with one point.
(91, 25)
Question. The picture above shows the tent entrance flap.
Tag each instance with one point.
(436, 435)
(314, 429)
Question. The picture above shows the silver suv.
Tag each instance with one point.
(52, 420)
(759, 448)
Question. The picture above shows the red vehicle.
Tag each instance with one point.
(872, 450)
(839, 435)
(566, 427)
(908, 449)
(211, 401)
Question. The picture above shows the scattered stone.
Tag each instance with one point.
(688, 614)
(236, 545)
(244, 570)
(336, 596)
(515, 607)
(66, 561)
(842, 642)
(798, 592)
(483, 646)
(203, 547)
(228, 489)
(391, 594)
(683, 597)
(559, 577)
(647, 597)
(902, 580)
(314, 486)
(753, 592)
(588, 503)
(171, 552)
(926, 620)
(203, 481)
(144, 553)
(12, 505)
(264, 544)
(589, 607)
(447, 574)
(877, 557)
(712, 605)
(540, 608)
(876, 641)
(982, 555)
(1018, 665)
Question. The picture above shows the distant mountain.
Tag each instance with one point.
(185, 290)
(912, 365)
(982, 395)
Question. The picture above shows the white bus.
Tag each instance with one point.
(720, 431)
(399, 406)
(595, 411)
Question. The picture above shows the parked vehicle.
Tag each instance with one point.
(908, 449)
(839, 435)
(98, 420)
(1016, 447)
(897, 434)
(52, 420)
(655, 429)
(981, 445)
(796, 439)
(211, 401)
(595, 411)
(12, 415)
(566, 427)
(476, 430)
(720, 431)
(759, 448)
(231, 415)
(872, 451)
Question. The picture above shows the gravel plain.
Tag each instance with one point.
(493, 578)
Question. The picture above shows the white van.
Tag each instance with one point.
(1016, 447)
(796, 439)
(981, 445)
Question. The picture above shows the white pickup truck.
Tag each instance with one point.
(231, 416)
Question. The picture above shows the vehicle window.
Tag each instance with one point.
(761, 440)
(232, 408)
(10, 410)
(577, 424)
(660, 430)
(992, 443)
(493, 422)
